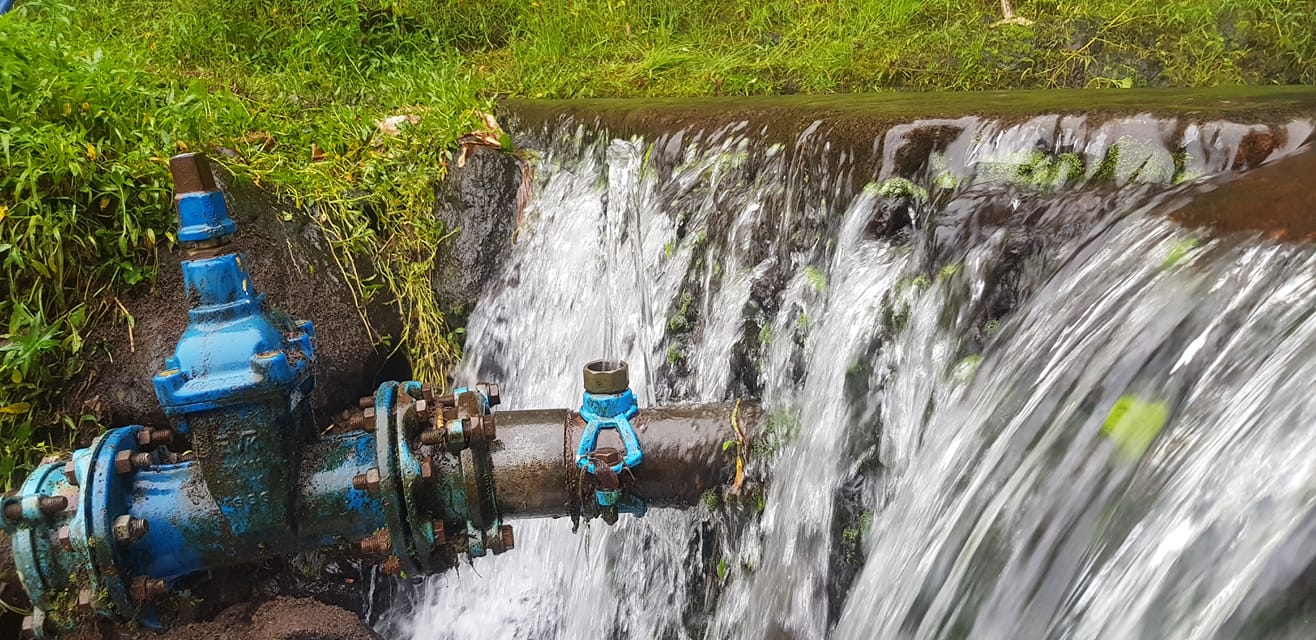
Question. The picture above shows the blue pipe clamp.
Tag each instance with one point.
(609, 403)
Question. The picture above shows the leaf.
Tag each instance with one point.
(16, 408)
(1134, 423)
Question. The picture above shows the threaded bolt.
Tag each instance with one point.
(365, 421)
(366, 402)
(427, 469)
(128, 529)
(433, 437)
(367, 482)
(377, 545)
(51, 505)
(145, 588)
(154, 437)
(142, 460)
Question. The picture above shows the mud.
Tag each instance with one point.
(278, 619)
(292, 264)
(1276, 199)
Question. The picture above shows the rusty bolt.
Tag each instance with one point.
(65, 538)
(490, 391)
(366, 402)
(149, 437)
(47, 459)
(71, 473)
(422, 410)
(366, 420)
(367, 482)
(14, 511)
(142, 460)
(51, 505)
(506, 536)
(129, 529)
(123, 462)
(427, 469)
(440, 531)
(427, 392)
(145, 588)
(392, 566)
(490, 427)
(433, 437)
(449, 412)
(84, 599)
(377, 545)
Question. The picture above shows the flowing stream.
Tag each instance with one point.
(1009, 398)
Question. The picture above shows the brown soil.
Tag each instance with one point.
(277, 619)
(291, 263)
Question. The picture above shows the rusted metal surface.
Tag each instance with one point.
(536, 474)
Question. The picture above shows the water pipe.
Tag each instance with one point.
(419, 480)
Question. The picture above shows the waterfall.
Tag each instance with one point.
(1009, 397)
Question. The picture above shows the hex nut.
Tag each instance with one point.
(129, 529)
(490, 391)
(84, 599)
(71, 473)
(65, 538)
(427, 469)
(422, 410)
(507, 537)
(123, 462)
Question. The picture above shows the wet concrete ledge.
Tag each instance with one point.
(865, 115)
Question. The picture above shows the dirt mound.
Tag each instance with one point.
(277, 619)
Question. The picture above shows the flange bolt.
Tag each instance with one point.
(490, 391)
(123, 462)
(367, 482)
(149, 437)
(365, 421)
(128, 529)
(51, 505)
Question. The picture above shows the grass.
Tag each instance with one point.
(94, 97)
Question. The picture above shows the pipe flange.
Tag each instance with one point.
(106, 497)
(388, 432)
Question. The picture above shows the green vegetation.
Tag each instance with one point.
(95, 96)
(1133, 424)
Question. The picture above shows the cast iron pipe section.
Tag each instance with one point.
(419, 479)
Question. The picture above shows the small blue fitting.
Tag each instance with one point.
(609, 403)
(203, 216)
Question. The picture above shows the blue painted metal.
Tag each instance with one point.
(609, 411)
(5, 6)
(261, 480)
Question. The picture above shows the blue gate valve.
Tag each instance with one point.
(609, 403)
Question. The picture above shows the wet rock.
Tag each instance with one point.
(291, 263)
(478, 203)
(1276, 200)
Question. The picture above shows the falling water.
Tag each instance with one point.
(1009, 399)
